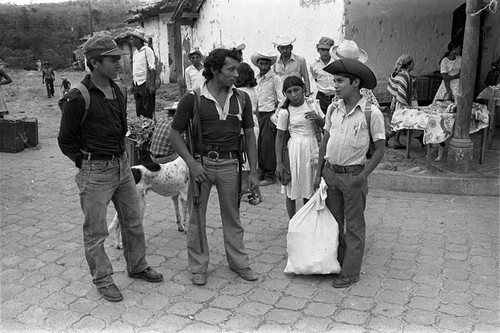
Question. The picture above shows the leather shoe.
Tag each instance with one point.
(344, 281)
(149, 275)
(111, 293)
(199, 279)
(246, 273)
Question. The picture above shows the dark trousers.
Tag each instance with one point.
(347, 204)
(49, 84)
(324, 100)
(265, 149)
(144, 101)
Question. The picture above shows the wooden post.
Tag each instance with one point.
(178, 58)
(461, 148)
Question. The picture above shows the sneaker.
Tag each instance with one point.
(111, 293)
(266, 182)
(149, 275)
(344, 281)
(199, 279)
(246, 274)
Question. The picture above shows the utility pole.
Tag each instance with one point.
(460, 152)
(90, 20)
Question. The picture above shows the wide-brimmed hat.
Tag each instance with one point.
(325, 43)
(101, 46)
(264, 55)
(283, 40)
(348, 49)
(139, 34)
(193, 51)
(353, 67)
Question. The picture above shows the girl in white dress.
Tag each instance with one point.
(298, 117)
(450, 70)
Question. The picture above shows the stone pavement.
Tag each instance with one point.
(431, 265)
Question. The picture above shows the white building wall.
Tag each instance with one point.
(257, 22)
(157, 29)
(386, 29)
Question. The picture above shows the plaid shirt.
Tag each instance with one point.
(159, 143)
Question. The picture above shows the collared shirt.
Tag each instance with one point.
(105, 125)
(324, 80)
(194, 77)
(142, 59)
(364, 93)
(296, 65)
(349, 135)
(269, 91)
(215, 130)
(159, 140)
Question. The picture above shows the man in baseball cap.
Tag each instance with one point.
(92, 135)
(324, 80)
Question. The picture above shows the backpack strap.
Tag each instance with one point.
(368, 115)
(86, 98)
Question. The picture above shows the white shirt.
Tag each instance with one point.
(194, 77)
(142, 59)
(269, 91)
(324, 80)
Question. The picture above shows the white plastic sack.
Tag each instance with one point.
(313, 238)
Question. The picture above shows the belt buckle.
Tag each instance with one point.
(213, 155)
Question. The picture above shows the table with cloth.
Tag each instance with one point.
(437, 121)
(492, 95)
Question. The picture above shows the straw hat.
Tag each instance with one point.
(193, 51)
(354, 67)
(283, 40)
(267, 55)
(139, 34)
(350, 50)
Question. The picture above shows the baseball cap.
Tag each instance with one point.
(101, 46)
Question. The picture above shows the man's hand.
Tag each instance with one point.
(253, 180)
(197, 171)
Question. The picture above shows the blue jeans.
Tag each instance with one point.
(224, 175)
(347, 204)
(99, 183)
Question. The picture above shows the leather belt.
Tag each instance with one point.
(100, 157)
(329, 96)
(159, 156)
(215, 155)
(345, 169)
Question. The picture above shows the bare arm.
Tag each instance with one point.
(195, 168)
(321, 159)
(251, 149)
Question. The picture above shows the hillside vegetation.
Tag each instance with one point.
(52, 31)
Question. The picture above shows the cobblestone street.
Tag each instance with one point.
(431, 265)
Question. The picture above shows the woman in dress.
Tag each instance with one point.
(450, 70)
(4, 79)
(298, 118)
(401, 86)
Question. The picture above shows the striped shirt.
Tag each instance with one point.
(349, 135)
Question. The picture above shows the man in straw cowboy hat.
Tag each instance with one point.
(193, 74)
(269, 96)
(343, 160)
(92, 134)
(289, 63)
(143, 60)
(324, 80)
(348, 49)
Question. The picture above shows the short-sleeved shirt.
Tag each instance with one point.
(450, 67)
(324, 80)
(142, 59)
(296, 65)
(194, 77)
(269, 91)
(219, 126)
(349, 135)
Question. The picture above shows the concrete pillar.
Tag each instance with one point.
(460, 152)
